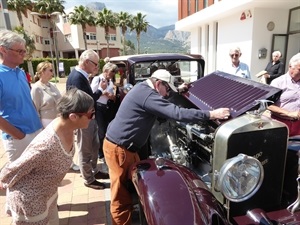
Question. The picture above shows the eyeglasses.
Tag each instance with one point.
(90, 115)
(168, 89)
(113, 71)
(20, 51)
(236, 55)
(95, 64)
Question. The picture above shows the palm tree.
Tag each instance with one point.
(139, 25)
(48, 8)
(124, 21)
(82, 16)
(130, 48)
(106, 19)
(20, 7)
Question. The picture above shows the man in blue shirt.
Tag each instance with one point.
(19, 120)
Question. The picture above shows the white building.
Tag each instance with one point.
(253, 25)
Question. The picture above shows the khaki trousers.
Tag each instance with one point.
(119, 161)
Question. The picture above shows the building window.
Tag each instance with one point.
(112, 37)
(196, 5)
(189, 7)
(47, 42)
(68, 38)
(294, 21)
(33, 19)
(205, 4)
(65, 19)
(91, 36)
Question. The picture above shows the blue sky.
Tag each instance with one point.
(158, 13)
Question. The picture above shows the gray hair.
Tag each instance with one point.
(87, 54)
(8, 38)
(295, 60)
(110, 67)
(74, 101)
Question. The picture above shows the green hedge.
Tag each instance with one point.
(68, 63)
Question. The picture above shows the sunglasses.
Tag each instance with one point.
(168, 89)
(236, 55)
(95, 64)
(90, 115)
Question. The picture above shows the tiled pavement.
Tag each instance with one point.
(78, 205)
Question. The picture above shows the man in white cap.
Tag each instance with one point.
(130, 129)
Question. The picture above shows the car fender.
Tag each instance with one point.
(174, 195)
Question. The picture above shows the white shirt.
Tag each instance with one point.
(242, 70)
(95, 86)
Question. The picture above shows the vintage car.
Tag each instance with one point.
(243, 170)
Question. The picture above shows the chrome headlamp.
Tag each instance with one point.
(239, 178)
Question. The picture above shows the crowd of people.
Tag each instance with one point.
(39, 142)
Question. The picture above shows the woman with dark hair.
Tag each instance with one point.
(34, 177)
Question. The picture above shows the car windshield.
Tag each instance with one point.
(184, 71)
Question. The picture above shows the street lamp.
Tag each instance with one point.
(51, 32)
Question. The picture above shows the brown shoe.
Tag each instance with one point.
(95, 185)
(101, 175)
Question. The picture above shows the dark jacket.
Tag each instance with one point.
(274, 71)
(78, 80)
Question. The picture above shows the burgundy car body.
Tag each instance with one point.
(175, 195)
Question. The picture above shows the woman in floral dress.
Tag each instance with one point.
(34, 177)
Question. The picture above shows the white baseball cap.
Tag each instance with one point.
(164, 75)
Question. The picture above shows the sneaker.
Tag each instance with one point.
(7, 210)
(101, 175)
(75, 167)
(102, 160)
(95, 185)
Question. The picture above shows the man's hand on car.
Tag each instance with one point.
(221, 113)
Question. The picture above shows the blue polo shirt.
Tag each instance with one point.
(16, 105)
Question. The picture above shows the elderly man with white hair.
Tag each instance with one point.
(275, 68)
(287, 108)
(87, 139)
(236, 67)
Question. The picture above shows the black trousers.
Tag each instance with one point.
(103, 119)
